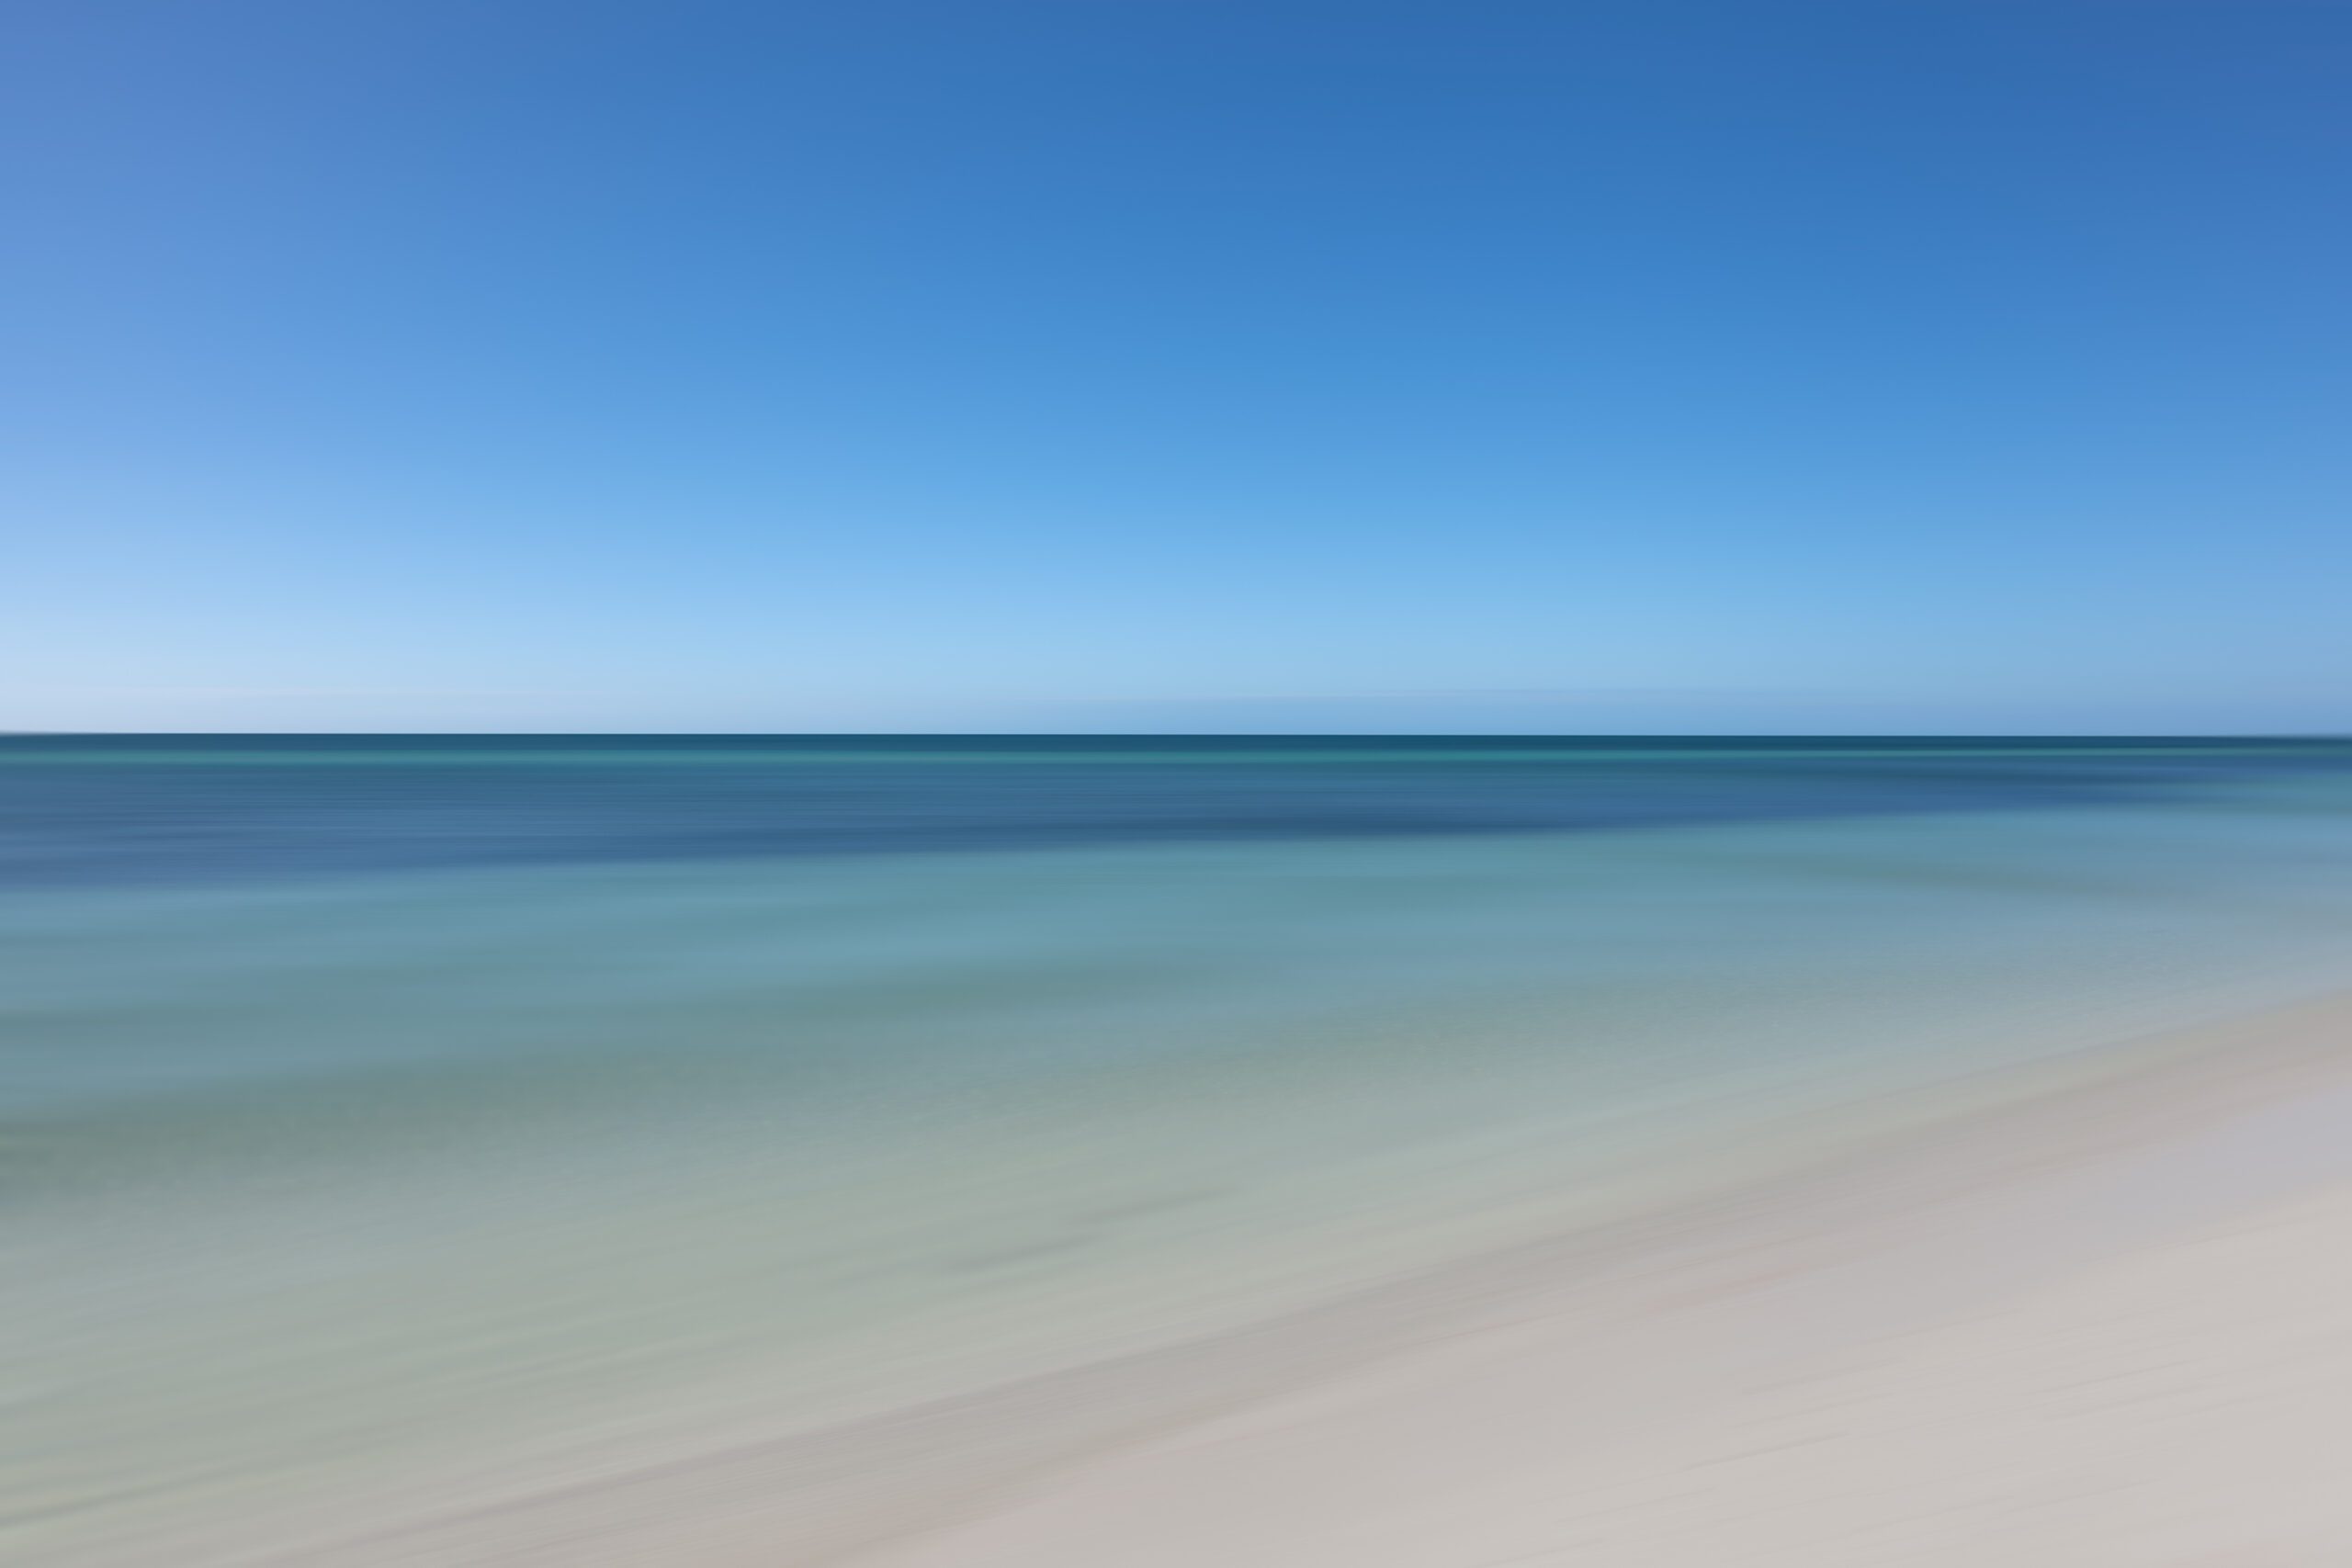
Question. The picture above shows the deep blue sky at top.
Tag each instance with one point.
(1179, 363)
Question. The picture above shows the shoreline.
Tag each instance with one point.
(1479, 1412)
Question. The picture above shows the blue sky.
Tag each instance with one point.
(1179, 364)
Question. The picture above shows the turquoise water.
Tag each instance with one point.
(393, 1120)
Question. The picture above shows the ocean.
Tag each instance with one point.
(387, 1121)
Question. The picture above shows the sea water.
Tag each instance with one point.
(391, 1118)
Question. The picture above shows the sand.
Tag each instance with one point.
(2112, 1326)
(2104, 1317)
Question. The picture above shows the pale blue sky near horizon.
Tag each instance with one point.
(1947, 365)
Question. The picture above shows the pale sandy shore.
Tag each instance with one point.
(2114, 1327)
(2103, 1318)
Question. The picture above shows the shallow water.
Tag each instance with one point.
(386, 1115)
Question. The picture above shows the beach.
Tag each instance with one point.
(2102, 1321)
(2099, 1319)
(2107, 1324)
(436, 1153)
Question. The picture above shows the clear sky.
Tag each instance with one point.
(1178, 364)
